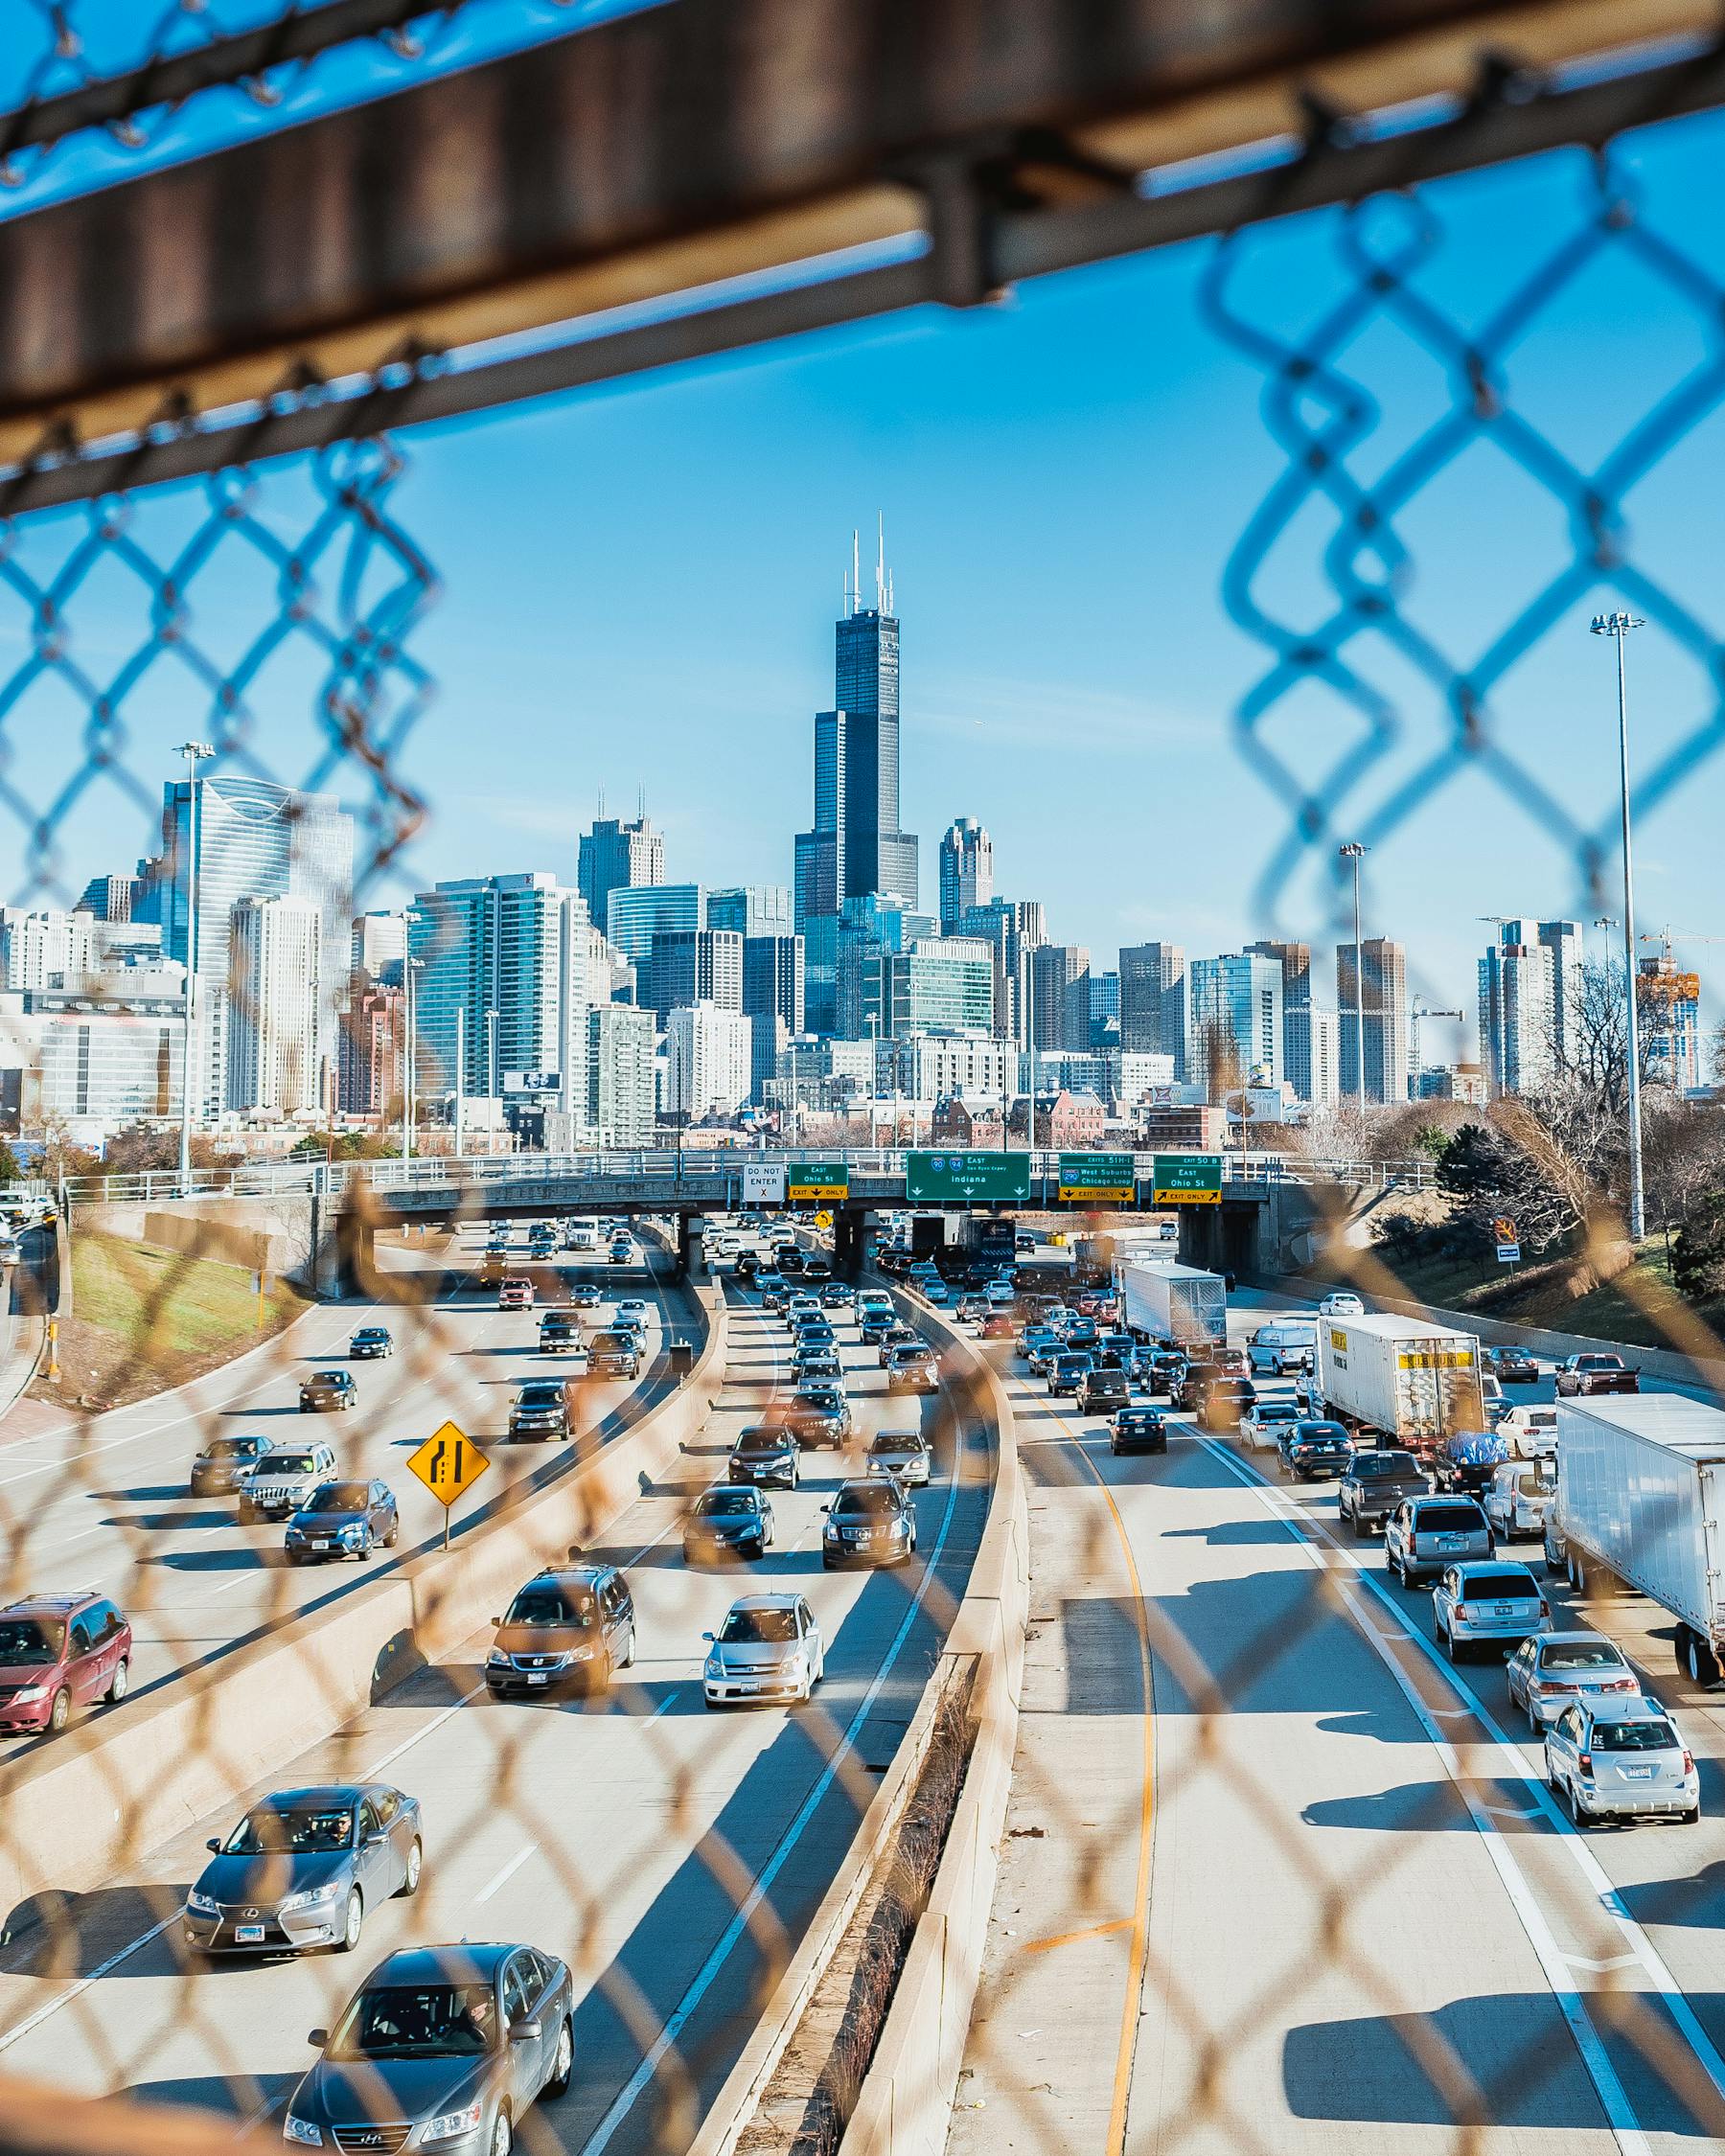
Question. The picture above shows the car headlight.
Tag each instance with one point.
(712, 1666)
(300, 2132)
(313, 1897)
(27, 1693)
(449, 2125)
(351, 1531)
(202, 1905)
(498, 1659)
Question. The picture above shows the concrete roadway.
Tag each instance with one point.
(102, 1503)
(1277, 1878)
(664, 1849)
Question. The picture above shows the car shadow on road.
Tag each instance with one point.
(1695, 1900)
(56, 1937)
(247, 1559)
(238, 2096)
(151, 1493)
(1230, 1534)
(166, 1523)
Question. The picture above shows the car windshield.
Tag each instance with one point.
(293, 1831)
(540, 1396)
(900, 1442)
(231, 1448)
(340, 1497)
(552, 1605)
(288, 1463)
(1634, 1736)
(29, 1640)
(1374, 1467)
(418, 2021)
(331, 1377)
(1321, 1434)
(872, 1497)
(1535, 1484)
(614, 1341)
(1448, 1520)
(1506, 1586)
(370, 1333)
(1581, 1654)
(723, 1502)
(758, 1628)
(816, 1398)
(762, 1441)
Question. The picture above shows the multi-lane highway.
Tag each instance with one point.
(1276, 1877)
(667, 1852)
(102, 1503)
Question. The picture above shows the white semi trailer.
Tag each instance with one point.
(1416, 1382)
(1177, 1303)
(1641, 1493)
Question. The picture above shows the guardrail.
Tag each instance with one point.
(697, 1170)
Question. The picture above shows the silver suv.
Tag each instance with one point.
(1424, 1534)
(1486, 1606)
(1622, 1758)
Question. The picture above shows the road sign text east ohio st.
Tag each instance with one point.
(807, 1180)
(1092, 1176)
(969, 1179)
(1187, 1178)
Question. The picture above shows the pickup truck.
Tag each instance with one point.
(1374, 1485)
(1581, 1376)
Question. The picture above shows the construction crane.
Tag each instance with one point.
(1668, 935)
(1424, 1010)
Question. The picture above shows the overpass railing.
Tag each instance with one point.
(656, 1165)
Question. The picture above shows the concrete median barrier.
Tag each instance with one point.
(906, 2093)
(79, 1809)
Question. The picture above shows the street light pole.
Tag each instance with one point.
(490, 1050)
(1617, 626)
(1354, 852)
(460, 1071)
(195, 752)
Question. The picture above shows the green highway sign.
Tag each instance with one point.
(1187, 1178)
(967, 1178)
(1090, 1177)
(806, 1181)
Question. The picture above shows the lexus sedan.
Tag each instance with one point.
(730, 1519)
(224, 1464)
(303, 1868)
(371, 1343)
(446, 2046)
(327, 1390)
(343, 1520)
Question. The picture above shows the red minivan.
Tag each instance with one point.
(59, 1653)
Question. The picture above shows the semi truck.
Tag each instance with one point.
(1413, 1381)
(1641, 1495)
(1175, 1303)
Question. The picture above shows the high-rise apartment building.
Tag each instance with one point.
(941, 982)
(695, 966)
(1310, 1049)
(1236, 1022)
(751, 909)
(254, 840)
(1529, 999)
(773, 1002)
(621, 1077)
(1384, 1011)
(966, 872)
(616, 855)
(374, 1047)
(274, 995)
(379, 946)
(111, 898)
(1153, 1001)
(1014, 929)
(1103, 993)
(856, 848)
(1060, 997)
(707, 1058)
(1667, 1002)
(46, 948)
(636, 915)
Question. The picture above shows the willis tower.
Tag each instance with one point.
(856, 849)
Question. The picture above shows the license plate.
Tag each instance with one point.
(320, 1546)
(1451, 1541)
(250, 1935)
(1504, 1609)
(536, 1676)
(1637, 1773)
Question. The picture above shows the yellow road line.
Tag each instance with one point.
(1072, 1938)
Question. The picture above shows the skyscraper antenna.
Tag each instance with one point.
(880, 562)
(641, 801)
(601, 816)
(855, 590)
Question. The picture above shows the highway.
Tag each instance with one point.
(103, 1502)
(664, 1849)
(1276, 1877)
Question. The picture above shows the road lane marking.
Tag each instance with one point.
(83, 1983)
(507, 1873)
(1651, 1963)
(1075, 1939)
(624, 2101)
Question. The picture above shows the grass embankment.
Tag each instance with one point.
(1640, 1306)
(144, 1320)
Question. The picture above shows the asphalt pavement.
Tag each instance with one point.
(671, 1853)
(1276, 1877)
(103, 1502)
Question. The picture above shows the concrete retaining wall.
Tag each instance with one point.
(77, 1811)
(234, 1230)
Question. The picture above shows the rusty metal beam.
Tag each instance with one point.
(656, 152)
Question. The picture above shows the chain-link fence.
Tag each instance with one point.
(662, 1861)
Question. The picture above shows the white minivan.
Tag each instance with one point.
(1284, 1345)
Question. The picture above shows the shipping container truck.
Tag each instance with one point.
(1175, 1303)
(1641, 1495)
(1412, 1382)
(989, 1238)
(930, 1233)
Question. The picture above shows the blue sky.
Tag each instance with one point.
(640, 583)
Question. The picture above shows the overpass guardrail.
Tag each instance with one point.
(698, 1171)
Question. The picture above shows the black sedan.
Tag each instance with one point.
(446, 2046)
(871, 1522)
(1512, 1366)
(730, 1519)
(1139, 1430)
(343, 1520)
(303, 1869)
(818, 1415)
(224, 1464)
(325, 1391)
(1311, 1449)
(371, 1343)
(766, 1458)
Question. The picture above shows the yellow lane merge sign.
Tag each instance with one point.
(823, 1220)
(449, 1462)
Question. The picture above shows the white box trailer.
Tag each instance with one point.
(1640, 1493)
(1412, 1380)
(1179, 1303)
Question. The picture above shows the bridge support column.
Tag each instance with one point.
(848, 1238)
(684, 1245)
